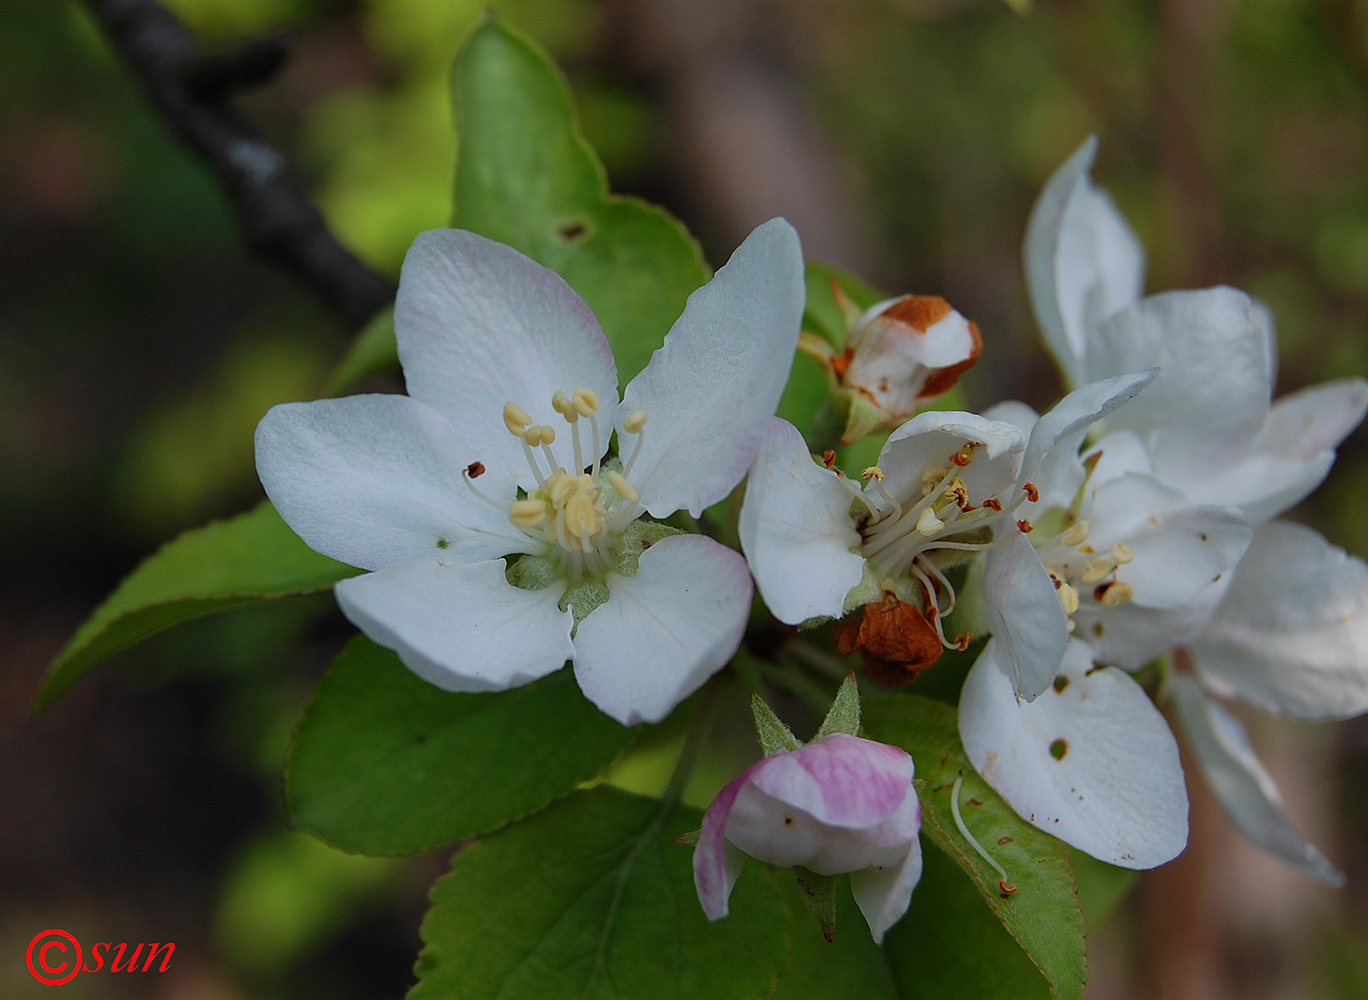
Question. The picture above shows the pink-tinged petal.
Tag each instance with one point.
(1083, 261)
(665, 631)
(1291, 454)
(460, 627)
(375, 480)
(840, 781)
(1091, 761)
(1244, 789)
(709, 390)
(715, 868)
(1292, 633)
(1064, 426)
(884, 892)
(796, 530)
(1215, 352)
(1025, 616)
(480, 325)
(930, 438)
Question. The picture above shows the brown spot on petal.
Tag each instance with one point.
(895, 640)
(1059, 748)
(840, 362)
(919, 311)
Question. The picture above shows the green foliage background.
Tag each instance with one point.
(138, 349)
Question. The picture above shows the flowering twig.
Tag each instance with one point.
(191, 91)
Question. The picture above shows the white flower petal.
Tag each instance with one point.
(1216, 354)
(1291, 453)
(1244, 789)
(1064, 426)
(460, 627)
(884, 892)
(373, 480)
(1083, 260)
(1292, 633)
(709, 389)
(1091, 761)
(796, 530)
(930, 438)
(665, 631)
(1029, 625)
(480, 325)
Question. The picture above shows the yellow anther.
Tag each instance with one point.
(515, 419)
(548, 434)
(1068, 597)
(956, 489)
(581, 518)
(928, 523)
(635, 421)
(873, 472)
(1098, 570)
(565, 406)
(532, 436)
(527, 513)
(621, 487)
(586, 402)
(561, 485)
(1122, 553)
(934, 474)
(1077, 534)
(1117, 594)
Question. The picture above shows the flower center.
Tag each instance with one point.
(907, 533)
(577, 511)
(1072, 563)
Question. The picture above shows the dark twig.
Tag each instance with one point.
(191, 91)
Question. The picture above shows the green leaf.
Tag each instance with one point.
(525, 176)
(950, 947)
(386, 763)
(822, 314)
(246, 559)
(1044, 914)
(373, 351)
(850, 967)
(591, 900)
(1101, 886)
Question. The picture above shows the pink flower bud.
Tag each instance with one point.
(840, 804)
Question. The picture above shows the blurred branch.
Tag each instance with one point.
(191, 91)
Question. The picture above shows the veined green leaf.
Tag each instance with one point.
(525, 176)
(950, 947)
(1043, 914)
(386, 763)
(246, 559)
(590, 899)
(850, 967)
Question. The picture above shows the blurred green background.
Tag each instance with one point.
(905, 138)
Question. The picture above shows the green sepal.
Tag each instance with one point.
(637, 537)
(770, 729)
(844, 714)
(819, 893)
(863, 416)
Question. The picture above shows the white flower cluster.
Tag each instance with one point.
(505, 534)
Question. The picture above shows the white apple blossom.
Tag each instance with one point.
(947, 485)
(1291, 634)
(839, 804)
(500, 541)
